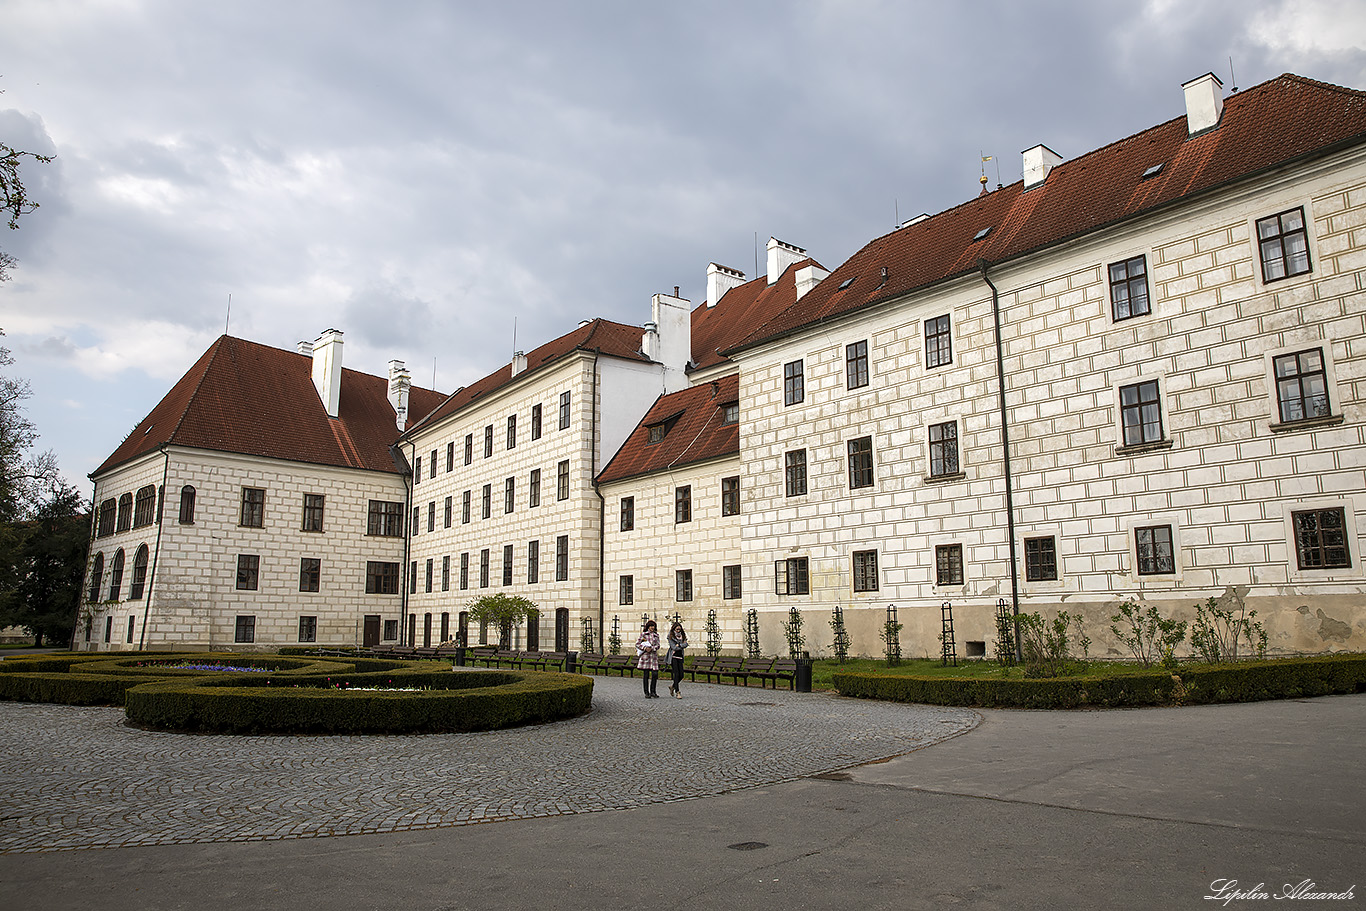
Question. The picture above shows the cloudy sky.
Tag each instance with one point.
(419, 174)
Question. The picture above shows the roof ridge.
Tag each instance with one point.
(214, 350)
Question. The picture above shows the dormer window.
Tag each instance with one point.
(661, 429)
(657, 433)
(730, 414)
(1153, 171)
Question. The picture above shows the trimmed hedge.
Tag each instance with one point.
(67, 689)
(1193, 684)
(450, 702)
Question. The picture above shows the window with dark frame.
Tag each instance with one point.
(509, 495)
(1141, 413)
(1301, 386)
(417, 471)
(385, 519)
(730, 496)
(253, 507)
(794, 383)
(562, 558)
(730, 414)
(794, 472)
(139, 583)
(1129, 288)
(390, 629)
(938, 342)
(381, 578)
(417, 519)
(860, 463)
(310, 574)
(948, 564)
(430, 577)
(244, 628)
(682, 504)
(533, 562)
(116, 576)
(562, 480)
(730, 581)
(1156, 554)
(469, 449)
(412, 580)
(431, 516)
(464, 571)
(431, 460)
(125, 512)
(856, 365)
(308, 629)
(1321, 538)
(445, 577)
(96, 577)
(187, 495)
(536, 421)
(628, 513)
(486, 501)
(248, 572)
(488, 441)
(484, 556)
(1041, 559)
(465, 507)
(450, 456)
(626, 590)
(512, 431)
(792, 576)
(313, 512)
(944, 449)
(865, 571)
(1283, 242)
(533, 490)
(683, 585)
(507, 564)
(145, 506)
(448, 512)
(566, 399)
(105, 526)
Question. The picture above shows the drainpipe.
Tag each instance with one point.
(602, 514)
(156, 552)
(404, 581)
(982, 265)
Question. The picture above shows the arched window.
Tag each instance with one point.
(139, 574)
(96, 577)
(106, 524)
(187, 505)
(125, 512)
(144, 509)
(116, 576)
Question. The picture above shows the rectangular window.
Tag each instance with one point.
(244, 629)
(484, 568)
(565, 399)
(450, 456)
(1156, 557)
(308, 629)
(431, 516)
(431, 575)
(683, 585)
(1283, 244)
(412, 578)
(132, 624)
(682, 504)
(1041, 559)
(628, 513)
(310, 574)
(313, 512)
(381, 578)
(626, 590)
(1321, 539)
(417, 518)
(856, 365)
(938, 342)
(431, 460)
(253, 507)
(464, 571)
(469, 449)
(385, 519)
(794, 471)
(417, 471)
(1301, 385)
(791, 576)
(1129, 288)
(730, 496)
(861, 463)
(943, 449)
(1141, 413)
(390, 629)
(507, 564)
(562, 558)
(536, 422)
(486, 501)
(509, 494)
(948, 564)
(533, 562)
(248, 572)
(865, 571)
(446, 575)
(488, 441)
(448, 514)
(512, 431)
(730, 414)
(730, 582)
(465, 508)
(533, 488)
(794, 383)
(562, 480)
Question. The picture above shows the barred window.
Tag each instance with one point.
(145, 506)
(948, 564)
(126, 512)
(865, 571)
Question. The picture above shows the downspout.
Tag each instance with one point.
(156, 551)
(405, 582)
(94, 517)
(602, 516)
(982, 265)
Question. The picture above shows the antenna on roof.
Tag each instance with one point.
(985, 159)
(756, 252)
(514, 338)
(433, 371)
(1232, 78)
(227, 319)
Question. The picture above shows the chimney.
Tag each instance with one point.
(327, 369)
(304, 348)
(399, 384)
(721, 279)
(780, 256)
(671, 322)
(1038, 161)
(809, 277)
(1204, 103)
(649, 342)
(518, 362)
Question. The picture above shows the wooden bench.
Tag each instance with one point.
(485, 655)
(541, 661)
(725, 666)
(776, 669)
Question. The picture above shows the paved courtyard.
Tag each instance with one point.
(80, 778)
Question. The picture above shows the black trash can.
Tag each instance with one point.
(459, 656)
(803, 676)
(571, 662)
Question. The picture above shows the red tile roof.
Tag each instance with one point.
(615, 339)
(1276, 123)
(696, 435)
(247, 398)
(740, 311)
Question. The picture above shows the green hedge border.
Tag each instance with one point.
(1288, 678)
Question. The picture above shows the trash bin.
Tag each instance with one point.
(571, 662)
(459, 656)
(803, 676)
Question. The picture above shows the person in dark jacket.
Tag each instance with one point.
(678, 641)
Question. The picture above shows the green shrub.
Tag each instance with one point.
(67, 689)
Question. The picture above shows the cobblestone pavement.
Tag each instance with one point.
(79, 778)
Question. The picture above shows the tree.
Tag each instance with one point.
(503, 611)
(43, 589)
(14, 200)
(24, 479)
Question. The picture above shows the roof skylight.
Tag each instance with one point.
(981, 234)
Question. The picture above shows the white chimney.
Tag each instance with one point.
(649, 342)
(327, 369)
(1038, 161)
(721, 279)
(304, 348)
(518, 362)
(780, 256)
(809, 277)
(1204, 103)
(671, 317)
(399, 384)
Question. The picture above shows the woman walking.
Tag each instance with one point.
(678, 640)
(647, 657)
